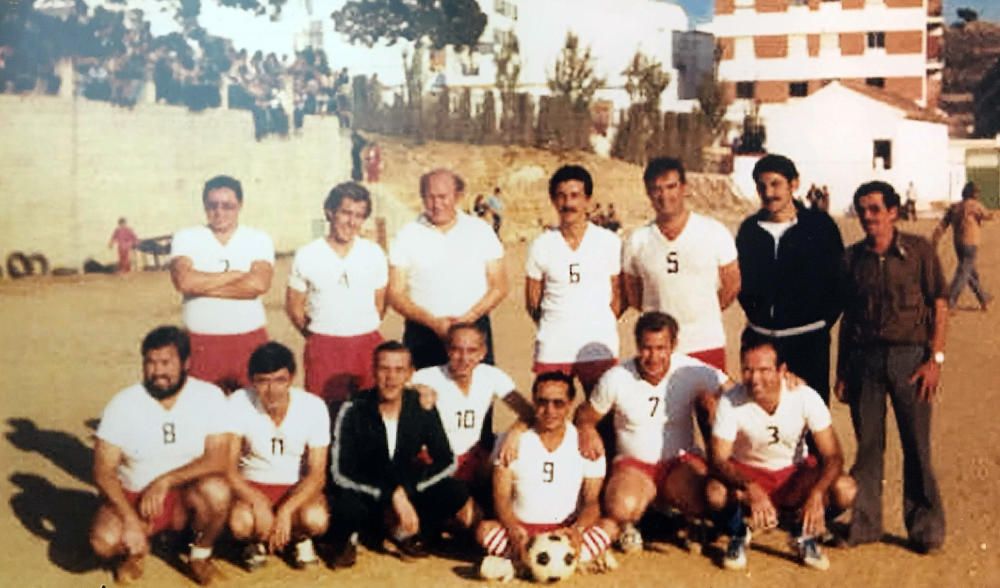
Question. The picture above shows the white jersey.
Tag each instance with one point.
(577, 323)
(446, 271)
(770, 441)
(463, 416)
(681, 277)
(547, 484)
(154, 440)
(208, 315)
(274, 454)
(655, 422)
(340, 290)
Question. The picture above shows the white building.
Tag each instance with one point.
(847, 133)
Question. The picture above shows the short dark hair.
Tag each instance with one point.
(554, 376)
(571, 172)
(269, 358)
(425, 180)
(779, 164)
(751, 340)
(456, 327)
(654, 322)
(223, 182)
(350, 190)
(889, 195)
(391, 346)
(659, 166)
(168, 336)
(969, 190)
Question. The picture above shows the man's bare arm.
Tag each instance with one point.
(250, 285)
(632, 288)
(311, 484)
(295, 308)
(400, 301)
(497, 287)
(618, 305)
(729, 283)
(533, 290)
(589, 510)
(227, 284)
(107, 457)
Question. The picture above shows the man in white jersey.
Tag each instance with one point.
(444, 268)
(336, 298)
(655, 396)
(760, 458)
(463, 390)
(160, 461)
(573, 284)
(222, 269)
(278, 462)
(682, 263)
(550, 486)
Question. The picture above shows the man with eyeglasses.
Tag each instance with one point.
(221, 269)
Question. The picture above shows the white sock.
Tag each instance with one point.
(200, 552)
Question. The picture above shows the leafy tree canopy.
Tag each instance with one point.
(574, 75)
(443, 22)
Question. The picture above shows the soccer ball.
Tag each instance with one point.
(551, 557)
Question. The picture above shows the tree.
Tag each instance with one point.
(645, 81)
(459, 23)
(967, 15)
(574, 77)
(711, 99)
(508, 66)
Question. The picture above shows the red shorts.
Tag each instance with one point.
(171, 503)
(471, 463)
(274, 492)
(124, 260)
(338, 366)
(588, 372)
(713, 357)
(657, 472)
(223, 359)
(776, 482)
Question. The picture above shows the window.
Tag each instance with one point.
(882, 153)
(876, 40)
(745, 89)
(798, 89)
(875, 82)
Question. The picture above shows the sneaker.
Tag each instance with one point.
(254, 556)
(736, 552)
(305, 554)
(129, 570)
(494, 567)
(347, 555)
(810, 554)
(411, 547)
(602, 564)
(630, 540)
(203, 570)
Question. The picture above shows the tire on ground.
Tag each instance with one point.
(39, 264)
(18, 265)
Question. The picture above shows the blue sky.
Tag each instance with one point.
(700, 11)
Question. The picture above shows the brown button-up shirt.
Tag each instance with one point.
(889, 298)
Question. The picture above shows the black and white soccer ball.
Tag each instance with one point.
(551, 557)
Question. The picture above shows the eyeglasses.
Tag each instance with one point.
(228, 206)
(553, 402)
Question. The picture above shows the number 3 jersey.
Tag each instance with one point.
(770, 441)
(274, 454)
(463, 415)
(577, 323)
(155, 440)
(655, 422)
(547, 483)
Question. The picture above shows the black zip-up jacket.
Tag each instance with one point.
(360, 461)
(801, 283)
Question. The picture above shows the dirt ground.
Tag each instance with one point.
(70, 343)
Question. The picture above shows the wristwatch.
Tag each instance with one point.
(938, 357)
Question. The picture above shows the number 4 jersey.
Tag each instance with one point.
(547, 483)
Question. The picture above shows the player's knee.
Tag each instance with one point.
(469, 515)
(484, 530)
(844, 491)
(716, 495)
(314, 518)
(214, 493)
(105, 541)
(241, 522)
(623, 505)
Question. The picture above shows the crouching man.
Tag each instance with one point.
(549, 486)
(760, 459)
(392, 465)
(278, 502)
(160, 461)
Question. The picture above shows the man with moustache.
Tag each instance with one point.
(278, 462)
(444, 268)
(336, 298)
(892, 341)
(160, 461)
(789, 258)
(682, 263)
(222, 269)
(572, 289)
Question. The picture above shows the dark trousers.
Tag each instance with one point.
(873, 372)
(429, 350)
(966, 273)
(807, 356)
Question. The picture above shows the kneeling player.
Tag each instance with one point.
(549, 486)
(160, 461)
(760, 458)
(279, 428)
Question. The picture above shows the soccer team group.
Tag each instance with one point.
(392, 442)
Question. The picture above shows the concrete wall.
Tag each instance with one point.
(69, 169)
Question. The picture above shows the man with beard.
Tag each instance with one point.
(160, 461)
